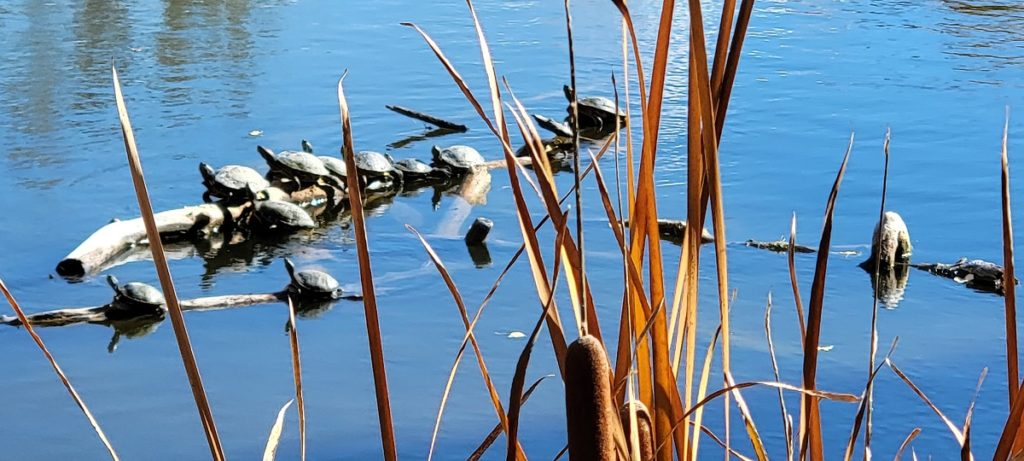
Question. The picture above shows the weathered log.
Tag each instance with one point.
(673, 230)
(115, 238)
(441, 123)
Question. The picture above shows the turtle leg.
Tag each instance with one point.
(206, 197)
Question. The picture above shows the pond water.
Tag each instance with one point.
(200, 76)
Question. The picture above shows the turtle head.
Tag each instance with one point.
(112, 281)
(207, 171)
(436, 151)
(266, 153)
(568, 92)
(290, 268)
(390, 159)
(307, 147)
(399, 176)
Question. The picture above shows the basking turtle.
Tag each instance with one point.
(231, 182)
(311, 284)
(457, 159)
(336, 166)
(413, 170)
(595, 112)
(280, 216)
(303, 168)
(374, 165)
(554, 126)
(134, 299)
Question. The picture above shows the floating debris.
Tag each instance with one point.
(778, 246)
(256, 133)
(516, 335)
(976, 273)
(826, 348)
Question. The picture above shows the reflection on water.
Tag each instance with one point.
(991, 33)
(200, 75)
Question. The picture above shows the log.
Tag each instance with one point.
(478, 231)
(114, 239)
(441, 123)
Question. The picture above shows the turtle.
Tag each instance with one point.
(413, 169)
(134, 299)
(595, 112)
(231, 182)
(311, 284)
(554, 126)
(458, 159)
(301, 167)
(335, 165)
(278, 215)
(375, 165)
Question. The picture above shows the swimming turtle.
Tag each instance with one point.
(134, 299)
(595, 111)
(458, 159)
(311, 283)
(413, 169)
(278, 215)
(231, 182)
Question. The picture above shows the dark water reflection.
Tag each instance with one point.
(201, 75)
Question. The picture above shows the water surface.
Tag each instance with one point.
(199, 76)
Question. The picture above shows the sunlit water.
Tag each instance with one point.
(199, 76)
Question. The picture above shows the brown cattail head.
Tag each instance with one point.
(589, 413)
(645, 429)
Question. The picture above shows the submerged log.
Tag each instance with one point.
(98, 314)
(115, 238)
(977, 274)
(427, 118)
(674, 230)
(779, 246)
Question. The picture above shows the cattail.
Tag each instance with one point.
(589, 413)
(645, 429)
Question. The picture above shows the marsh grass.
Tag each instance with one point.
(655, 364)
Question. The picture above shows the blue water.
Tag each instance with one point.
(200, 76)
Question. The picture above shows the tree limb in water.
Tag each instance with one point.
(438, 122)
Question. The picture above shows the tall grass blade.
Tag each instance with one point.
(293, 337)
(957, 434)
(526, 226)
(574, 124)
(858, 420)
(493, 435)
(869, 393)
(791, 256)
(56, 368)
(732, 65)
(811, 441)
(491, 390)
(702, 390)
(775, 370)
(163, 271)
(1009, 281)
(906, 442)
(722, 46)
(748, 422)
(355, 198)
(270, 452)
(519, 377)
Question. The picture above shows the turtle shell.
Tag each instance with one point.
(374, 163)
(136, 293)
(413, 167)
(302, 163)
(311, 282)
(335, 166)
(458, 157)
(600, 105)
(282, 215)
(232, 179)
